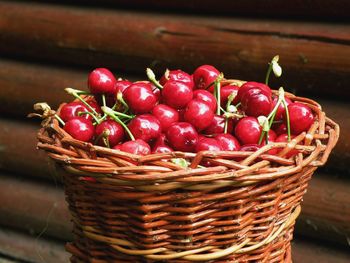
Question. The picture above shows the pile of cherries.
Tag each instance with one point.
(182, 112)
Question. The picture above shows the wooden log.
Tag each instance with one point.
(252, 8)
(37, 208)
(21, 246)
(314, 55)
(326, 208)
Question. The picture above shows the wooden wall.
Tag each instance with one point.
(46, 46)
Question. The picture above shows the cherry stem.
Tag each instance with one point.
(98, 121)
(76, 94)
(226, 124)
(217, 89)
(268, 74)
(122, 101)
(152, 77)
(114, 116)
(59, 119)
(288, 120)
(103, 135)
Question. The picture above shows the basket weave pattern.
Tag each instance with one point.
(148, 209)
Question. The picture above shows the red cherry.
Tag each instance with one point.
(92, 102)
(300, 116)
(255, 103)
(72, 109)
(248, 130)
(182, 136)
(176, 94)
(177, 75)
(199, 114)
(162, 149)
(161, 140)
(116, 132)
(280, 128)
(206, 97)
(252, 85)
(140, 98)
(145, 127)
(138, 147)
(101, 80)
(181, 114)
(121, 86)
(228, 142)
(208, 144)
(284, 138)
(204, 75)
(226, 91)
(280, 110)
(271, 137)
(80, 128)
(217, 126)
(166, 115)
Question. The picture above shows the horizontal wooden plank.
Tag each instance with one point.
(273, 8)
(37, 208)
(327, 201)
(314, 55)
(21, 246)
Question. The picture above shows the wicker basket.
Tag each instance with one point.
(148, 209)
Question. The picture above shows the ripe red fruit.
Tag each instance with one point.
(177, 75)
(248, 130)
(280, 128)
(182, 136)
(255, 103)
(72, 109)
(80, 128)
(138, 147)
(217, 126)
(280, 110)
(145, 127)
(252, 85)
(226, 91)
(204, 75)
(166, 115)
(208, 144)
(300, 116)
(116, 132)
(162, 149)
(284, 138)
(228, 142)
(92, 102)
(250, 148)
(121, 86)
(199, 114)
(176, 94)
(140, 98)
(206, 97)
(271, 137)
(101, 80)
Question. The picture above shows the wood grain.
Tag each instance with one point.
(314, 55)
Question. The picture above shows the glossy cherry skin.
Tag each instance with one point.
(271, 137)
(72, 109)
(204, 75)
(199, 114)
(101, 80)
(138, 147)
(121, 86)
(280, 110)
(250, 148)
(255, 103)
(145, 127)
(225, 92)
(228, 142)
(280, 128)
(206, 97)
(116, 132)
(301, 117)
(217, 126)
(178, 75)
(176, 94)
(162, 149)
(248, 130)
(92, 102)
(182, 136)
(80, 128)
(208, 144)
(252, 85)
(284, 138)
(140, 97)
(166, 115)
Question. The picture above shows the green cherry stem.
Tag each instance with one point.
(59, 119)
(217, 89)
(76, 93)
(268, 74)
(288, 120)
(122, 101)
(226, 124)
(152, 77)
(113, 115)
(97, 120)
